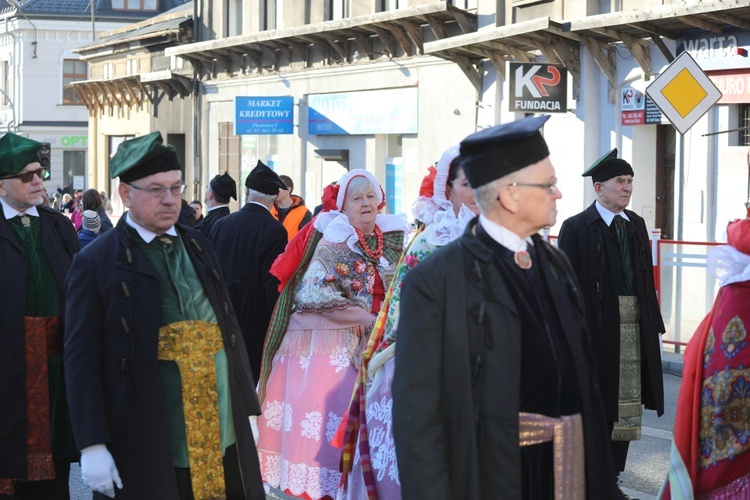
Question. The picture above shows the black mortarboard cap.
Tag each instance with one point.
(264, 180)
(500, 150)
(608, 166)
(143, 156)
(224, 186)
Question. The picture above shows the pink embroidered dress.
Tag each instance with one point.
(313, 371)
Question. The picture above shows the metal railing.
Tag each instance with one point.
(685, 289)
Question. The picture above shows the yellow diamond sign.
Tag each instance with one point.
(683, 92)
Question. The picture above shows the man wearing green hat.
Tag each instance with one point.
(160, 387)
(220, 190)
(610, 251)
(37, 245)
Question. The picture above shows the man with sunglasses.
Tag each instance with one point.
(610, 251)
(160, 387)
(37, 245)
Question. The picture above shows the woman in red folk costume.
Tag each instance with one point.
(318, 330)
(445, 205)
(710, 456)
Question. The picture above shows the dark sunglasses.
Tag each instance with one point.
(27, 177)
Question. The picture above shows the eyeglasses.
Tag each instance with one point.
(28, 176)
(551, 186)
(158, 192)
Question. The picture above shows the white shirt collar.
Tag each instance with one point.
(214, 208)
(259, 204)
(607, 215)
(11, 212)
(504, 236)
(145, 234)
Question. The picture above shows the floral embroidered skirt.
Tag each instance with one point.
(382, 449)
(308, 392)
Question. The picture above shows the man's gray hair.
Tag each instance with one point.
(486, 196)
(264, 199)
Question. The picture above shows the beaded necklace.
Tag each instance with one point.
(373, 254)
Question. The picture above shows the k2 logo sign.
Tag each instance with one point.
(538, 87)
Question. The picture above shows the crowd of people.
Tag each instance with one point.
(193, 353)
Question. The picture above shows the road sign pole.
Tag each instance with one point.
(680, 185)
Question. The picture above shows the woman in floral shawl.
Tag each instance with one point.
(334, 284)
(445, 205)
(710, 456)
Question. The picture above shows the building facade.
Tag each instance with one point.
(134, 89)
(38, 65)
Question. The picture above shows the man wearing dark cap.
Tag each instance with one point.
(247, 242)
(37, 245)
(290, 209)
(159, 383)
(609, 249)
(494, 394)
(220, 190)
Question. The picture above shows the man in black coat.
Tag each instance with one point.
(247, 242)
(220, 190)
(609, 249)
(493, 346)
(159, 383)
(37, 245)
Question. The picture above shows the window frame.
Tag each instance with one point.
(75, 77)
(141, 8)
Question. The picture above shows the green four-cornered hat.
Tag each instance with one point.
(16, 152)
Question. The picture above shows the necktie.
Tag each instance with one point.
(625, 273)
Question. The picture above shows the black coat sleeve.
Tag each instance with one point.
(419, 426)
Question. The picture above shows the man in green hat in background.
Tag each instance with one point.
(610, 251)
(220, 190)
(37, 245)
(160, 387)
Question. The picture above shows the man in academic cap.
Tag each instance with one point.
(159, 384)
(220, 190)
(493, 368)
(247, 242)
(37, 245)
(610, 251)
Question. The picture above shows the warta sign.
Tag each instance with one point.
(538, 87)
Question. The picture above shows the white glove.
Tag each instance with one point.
(254, 427)
(98, 470)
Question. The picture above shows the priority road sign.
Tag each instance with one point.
(683, 92)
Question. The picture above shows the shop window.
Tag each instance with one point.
(73, 71)
(74, 169)
(744, 128)
(230, 148)
(136, 5)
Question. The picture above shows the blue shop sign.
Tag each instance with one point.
(716, 52)
(263, 115)
(389, 111)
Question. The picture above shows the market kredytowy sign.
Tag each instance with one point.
(538, 87)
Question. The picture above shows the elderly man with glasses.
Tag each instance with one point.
(160, 387)
(494, 393)
(37, 245)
